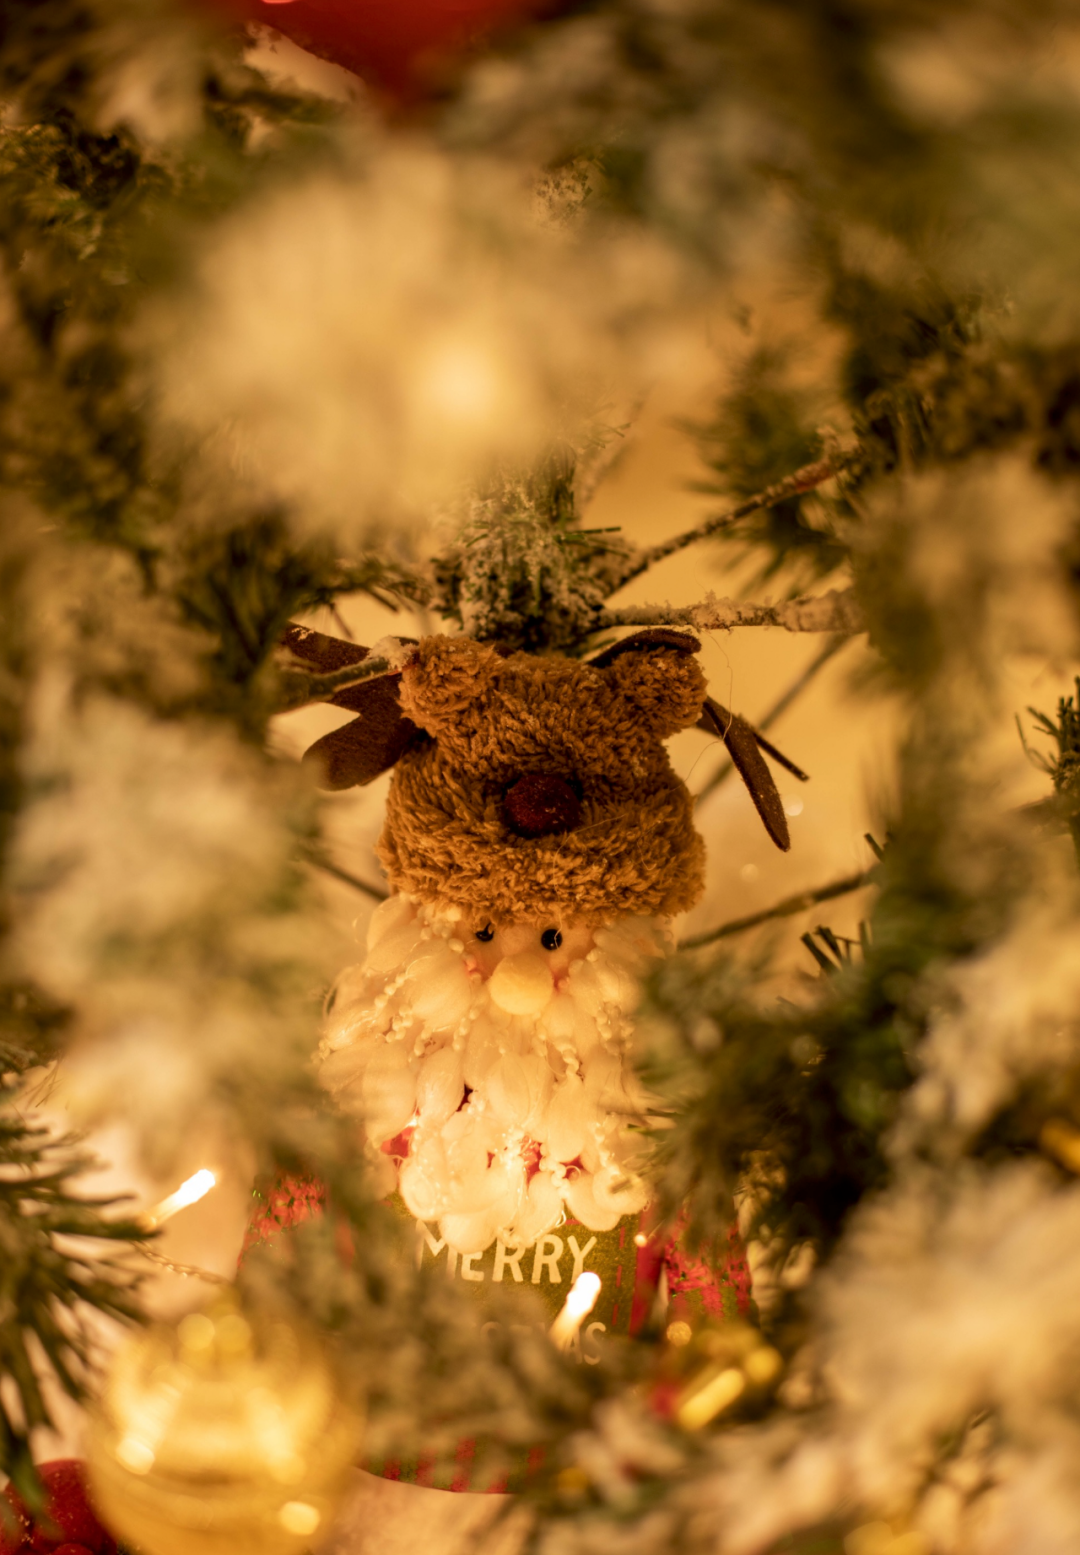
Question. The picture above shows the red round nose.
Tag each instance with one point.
(538, 806)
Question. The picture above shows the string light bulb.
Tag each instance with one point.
(188, 1193)
(576, 1308)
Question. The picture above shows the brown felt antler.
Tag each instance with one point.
(743, 742)
(651, 638)
(359, 751)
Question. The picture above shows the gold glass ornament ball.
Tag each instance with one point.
(222, 1435)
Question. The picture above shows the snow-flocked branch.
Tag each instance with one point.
(837, 610)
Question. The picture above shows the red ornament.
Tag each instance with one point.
(14, 1524)
(390, 43)
(289, 1202)
(67, 1526)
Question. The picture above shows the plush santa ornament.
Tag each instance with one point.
(538, 844)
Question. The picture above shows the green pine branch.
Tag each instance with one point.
(1063, 768)
(47, 1280)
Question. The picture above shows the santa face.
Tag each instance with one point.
(548, 948)
(490, 1068)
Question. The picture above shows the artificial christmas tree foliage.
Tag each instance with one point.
(270, 357)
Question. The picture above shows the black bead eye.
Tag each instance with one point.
(551, 939)
(485, 934)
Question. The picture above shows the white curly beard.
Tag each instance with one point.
(513, 1089)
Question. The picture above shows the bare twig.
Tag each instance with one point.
(299, 688)
(341, 874)
(805, 479)
(778, 709)
(596, 463)
(835, 611)
(785, 909)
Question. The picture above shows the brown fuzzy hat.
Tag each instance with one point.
(537, 787)
(546, 790)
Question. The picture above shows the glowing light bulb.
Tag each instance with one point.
(299, 1517)
(189, 1192)
(583, 1294)
(707, 1399)
(577, 1306)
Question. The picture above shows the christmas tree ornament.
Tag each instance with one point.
(66, 1525)
(538, 840)
(538, 843)
(221, 1435)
